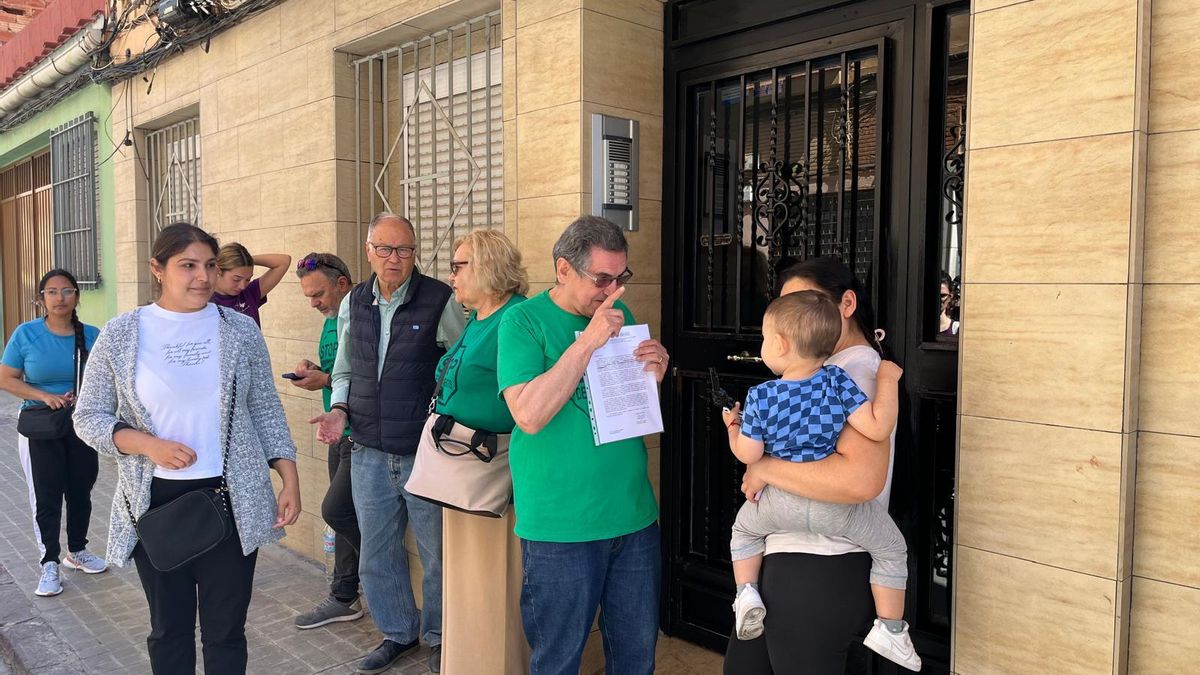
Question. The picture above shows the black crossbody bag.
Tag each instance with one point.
(42, 423)
(192, 524)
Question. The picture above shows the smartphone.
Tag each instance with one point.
(715, 394)
(291, 376)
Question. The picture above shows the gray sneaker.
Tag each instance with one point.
(330, 610)
(49, 584)
(85, 560)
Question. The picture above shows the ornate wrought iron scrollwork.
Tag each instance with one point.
(780, 211)
(953, 165)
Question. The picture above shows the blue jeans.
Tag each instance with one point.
(565, 583)
(384, 510)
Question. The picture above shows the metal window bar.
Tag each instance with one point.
(173, 155)
(74, 196)
(437, 126)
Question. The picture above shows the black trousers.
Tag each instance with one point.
(337, 510)
(817, 607)
(217, 583)
(64, 469)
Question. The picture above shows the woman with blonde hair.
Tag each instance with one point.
(481, 559)
(236, 288)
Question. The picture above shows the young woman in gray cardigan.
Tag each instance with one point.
(157, 396)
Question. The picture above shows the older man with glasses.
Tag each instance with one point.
(394, 327)
(586, 513)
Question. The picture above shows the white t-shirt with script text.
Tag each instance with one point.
(178, 381)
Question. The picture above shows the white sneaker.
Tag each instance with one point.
(86, 561)
(49, 584)
(895, 647)
(749, 610)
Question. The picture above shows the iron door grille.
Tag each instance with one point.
(173, 169)
(73, 195)
(431, 112)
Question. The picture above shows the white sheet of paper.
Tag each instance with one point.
(622, 396)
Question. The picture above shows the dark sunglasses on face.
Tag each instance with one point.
(604, 280)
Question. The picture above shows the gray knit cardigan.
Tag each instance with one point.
(260, 430)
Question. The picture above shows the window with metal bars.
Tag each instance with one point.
(73, 195)
(173, 171)
(432, 110)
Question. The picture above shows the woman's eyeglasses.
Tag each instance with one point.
(456, 266)
(604, 280)
(54, 292)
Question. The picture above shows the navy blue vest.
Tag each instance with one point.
(387, 412)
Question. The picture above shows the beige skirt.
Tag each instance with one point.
(481, 596)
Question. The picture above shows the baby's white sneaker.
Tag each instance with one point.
(749, 610)
(895, 647)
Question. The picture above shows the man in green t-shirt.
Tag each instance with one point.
(585, 513)
(325, 280)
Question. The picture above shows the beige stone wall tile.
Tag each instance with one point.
(647, 13)
(509, 156)
(508, 19)
(305, 536)
(300, 21)
(549, 148)
(131, 294)
(1015, 334)
(532, 11)
(985, 5)
(1167, 520)
(650, 148)
(316, 481)
(283, 81)
(287, 314)
(549, 52)
(1046, 494)
(303, 194)
(310, 133)
(260, 145)
(241, 204)
(622, 63)
(1169, 371)
(1164, 629)
(295, 408)
(132, 263)
(237, 98)
(510, 220)
(179, 75)
(1056, 212)
(221, 155)
(540, 221)
(1015, 616)
(257, 39)
(508, 79)
(1126, 509)
(1172, 239)
(210, 207)
(329, 73)
(1016, 48)
(221, 60)
(210, 110)
(131, 220)
(1173, 76)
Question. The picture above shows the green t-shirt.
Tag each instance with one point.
(468, 391)
(566, 488)
(327, 350)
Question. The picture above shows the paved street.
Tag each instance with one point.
(99, 623)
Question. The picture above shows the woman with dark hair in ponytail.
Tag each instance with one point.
(43, 363)
(817, 587)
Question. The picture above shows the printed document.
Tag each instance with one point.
(622, 397)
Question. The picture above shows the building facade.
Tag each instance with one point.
(1004, 176)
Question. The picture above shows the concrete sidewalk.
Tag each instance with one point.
(100, 622)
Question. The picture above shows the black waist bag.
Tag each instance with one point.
(41, 422)
(192, 524)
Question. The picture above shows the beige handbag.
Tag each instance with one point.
(458, 467)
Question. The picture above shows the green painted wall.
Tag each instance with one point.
(99, 305)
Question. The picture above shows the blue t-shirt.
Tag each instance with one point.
(799, 420)
(48, 360)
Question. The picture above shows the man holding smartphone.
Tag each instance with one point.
(325, 280)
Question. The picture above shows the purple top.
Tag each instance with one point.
(247, 302)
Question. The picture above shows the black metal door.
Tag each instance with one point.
(793, 152)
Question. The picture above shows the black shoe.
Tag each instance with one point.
(385, 656)
(435, 659)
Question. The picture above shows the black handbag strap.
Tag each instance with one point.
(437, 389)
(487, 440)
(224, 488)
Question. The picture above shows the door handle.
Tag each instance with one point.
(744, 357)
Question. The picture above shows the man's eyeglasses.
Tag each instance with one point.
(604, 280)
(312, 262)
(456, 266)
(384, 251)
(54, 292)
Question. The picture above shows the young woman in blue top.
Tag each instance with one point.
(39, 365)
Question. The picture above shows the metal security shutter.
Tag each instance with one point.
(73, 193)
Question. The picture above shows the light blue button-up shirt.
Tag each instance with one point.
(450, 327)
